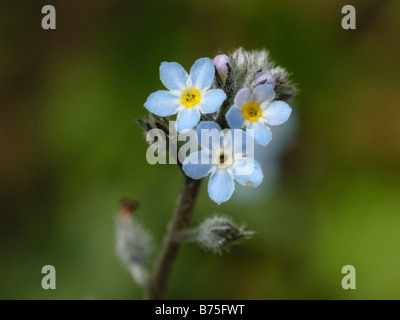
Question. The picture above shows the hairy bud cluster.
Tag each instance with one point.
(216, 233)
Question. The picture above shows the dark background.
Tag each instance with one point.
(70, 148)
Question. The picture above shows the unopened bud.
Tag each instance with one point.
(240, 58)
(221, 63)
(280, 74)
(265, 77)
(219, 232)
(133, 243)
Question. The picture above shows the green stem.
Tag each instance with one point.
(170, 249)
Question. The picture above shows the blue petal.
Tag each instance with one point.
(211, 129)
(262, 134)
(212, 100)
(197, 165)
(277, 113)
(263, 93)
(202, 73)
(239, 142)
(248, 173)
(242, 97)
(173, 76)
(235, 117)
(187, 119)
(220, 186)
(162, 103)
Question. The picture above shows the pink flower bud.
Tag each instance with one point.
(265, 77)
(221, 62)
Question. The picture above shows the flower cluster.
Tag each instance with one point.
(241, 91)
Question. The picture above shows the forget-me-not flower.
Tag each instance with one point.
(256, 110)
(188, 95)
(224, 162)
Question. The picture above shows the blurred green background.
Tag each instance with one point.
(70, 148)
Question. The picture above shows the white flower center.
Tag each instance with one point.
(223, 158)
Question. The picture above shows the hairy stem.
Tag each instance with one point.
(170, 249)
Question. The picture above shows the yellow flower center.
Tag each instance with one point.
(251, 111)
(190, 98)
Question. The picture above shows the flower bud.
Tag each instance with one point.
(280, 74)
(265, 77)
(240, 58)
(133, 243)
(218, 233)
(221, 63)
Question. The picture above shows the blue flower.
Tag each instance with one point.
(223, 160)
(188, 95)
(256, 110)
